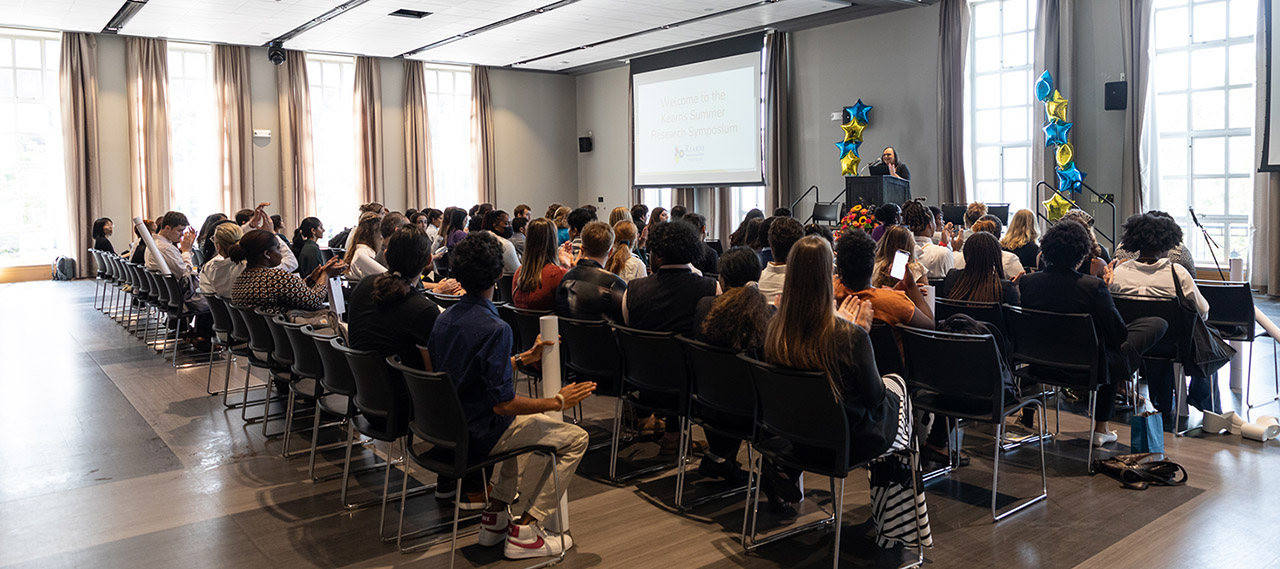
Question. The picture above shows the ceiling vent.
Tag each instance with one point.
(407, 13)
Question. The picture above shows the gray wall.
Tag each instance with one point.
(535, 146)
(1098, 135)
(602, 110)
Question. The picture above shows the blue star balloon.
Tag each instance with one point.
(1044, 87)
(858, 111)
(1056, 132)
(1070, 178)
(847, 147)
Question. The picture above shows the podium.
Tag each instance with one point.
(875, 190)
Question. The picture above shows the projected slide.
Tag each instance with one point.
(698, 124)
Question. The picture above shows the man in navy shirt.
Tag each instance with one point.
(473, 345)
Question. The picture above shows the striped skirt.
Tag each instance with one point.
(893, 507)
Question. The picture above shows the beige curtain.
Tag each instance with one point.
(297, 169)
(684, 197)
(78, 77)
(419, 184)
(953, 32)
(1135, 38)
(1055, 33)
(368, 112)
(150, 165)
(777, 123)
(1264, 272)
(482, 135)
(235, 125)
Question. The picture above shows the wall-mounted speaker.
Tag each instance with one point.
(1117, 96)
(584, 144)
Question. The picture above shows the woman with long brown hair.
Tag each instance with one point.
(366, 241)
(540, 272)
(896, 238)
(810, 333)
(622, 261)
(982, 279)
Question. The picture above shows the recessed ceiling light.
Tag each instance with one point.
(407, 13)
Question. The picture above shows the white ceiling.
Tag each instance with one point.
(369, 29)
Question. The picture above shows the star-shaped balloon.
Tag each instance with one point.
(849, 165)
(1056, 132)
(1070, 178)
(1057, 207)
(1044, 87)
(853, 130)
(848, 147)
(858, 112)
(1065, 154)
(1056, 107)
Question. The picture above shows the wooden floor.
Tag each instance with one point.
(112, 459)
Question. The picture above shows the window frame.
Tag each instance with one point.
(182, 180)
(340, 211)
(449, 184)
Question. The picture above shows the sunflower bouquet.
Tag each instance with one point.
(860, 217)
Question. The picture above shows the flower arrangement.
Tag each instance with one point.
(860, 217)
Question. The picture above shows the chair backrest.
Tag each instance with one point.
(653, 361)
(527, 325)
(719, 380)
(936, 283)
(989, 312)
(1230, 306)
(281, 349)
(157, 287)
(504, 288)
(239, 329)
(377, 389)
(109, 267)
(1177, 337)
(337, 372)
(127, 274)
(141, 287)
(798, 406)
(97, 261)
(306, 359)
(260, 339)
(174, 290)
(884, 344)
(1062, 349)
(221, 315)
(592, 353)
(960, 365)
(444, 300)
(438, 417)
(504, 312)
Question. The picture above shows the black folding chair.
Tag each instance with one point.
(884, 344)
(1172, 347)
(590, 353)
(1231, 311)
(722, 400)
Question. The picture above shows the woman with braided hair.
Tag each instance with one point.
(936, 259)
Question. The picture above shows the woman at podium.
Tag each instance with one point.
(888, 165)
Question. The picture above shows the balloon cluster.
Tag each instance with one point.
(1055, 132)
(855, 119)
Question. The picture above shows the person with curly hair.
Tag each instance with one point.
(1153, 273)
(1061, 288)
(887, 215)
(936, 259)
(1179, 254)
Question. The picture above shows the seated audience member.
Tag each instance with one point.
(783, 233)
(561, 220)
(457, 227)
(433, 219)
(739, 236)
(935, 259)
(855, 262)
(499, 223)
(102, 230)
(577, 219)
(972, 214)
(782, 212)
(257, 218)
(623, 261)
(390, 223)
(754, 238)
(522, 211)
(552, 210)
(1084, 218)
(535, 282)
(944, 233)
(588, 291)
(707, 258)
(740, 312)
(666, 300)
(1009, 263)
(264, 285)
(244, 216)
(174, 240)
(1021, 239)
(1061, 288)
(472, 344)
(204, 239)
(766, 251)
(808, 333)
(1179, 254)
(138, 249)
(887, 215)
(982, 279)
(820, 231)
(897, 238)
(659, 215)
(305, 245)
(219, 273)
(677, 212)
(1153, 273)
(387, 313)
(365, 242)
(619, 214)
(277, 225)
(517, 239)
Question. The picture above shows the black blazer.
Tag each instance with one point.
(1062, 290)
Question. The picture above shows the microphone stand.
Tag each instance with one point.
(1209, 240)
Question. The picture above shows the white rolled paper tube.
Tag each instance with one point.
(930, 296)
(151, 244)
(549, 327)
(1259, 432)
(1235, 269)
(1266, 323)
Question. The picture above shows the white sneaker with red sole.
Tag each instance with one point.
(494, 527)
(533, 541)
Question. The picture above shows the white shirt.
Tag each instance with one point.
(218, 275)
(510, 260)
(363, 263)
(1154, 279)
(179, 262)
(772, 279)
(288, 261)
(1011, 264)
(936, 259)
(633, 270)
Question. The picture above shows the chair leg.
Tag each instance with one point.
(915, 499)
(315, 441)
(266, 405)
(346, 470)
(288, 423)
(617, 432)
(681, 459)
(747, 506)
(837, 502)
(995, 469)
(1093, 425)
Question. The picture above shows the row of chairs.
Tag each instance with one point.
(147, 303)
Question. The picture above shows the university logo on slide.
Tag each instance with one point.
(679, 153)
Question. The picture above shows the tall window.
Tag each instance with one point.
(33, 210)
(193, 122)
(1203, 80)
(657, 198)
(449, 115)
(333, 138)
(743, 200)
(999, 102)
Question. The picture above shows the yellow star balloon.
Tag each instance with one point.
(849, 165)
(1057, 207)
(1056, 107)
(853, 130)
(1065, 154)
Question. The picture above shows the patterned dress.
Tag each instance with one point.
(273, 290)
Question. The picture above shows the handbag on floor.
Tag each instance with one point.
(1140, 470)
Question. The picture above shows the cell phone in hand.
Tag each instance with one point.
(899, 267)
